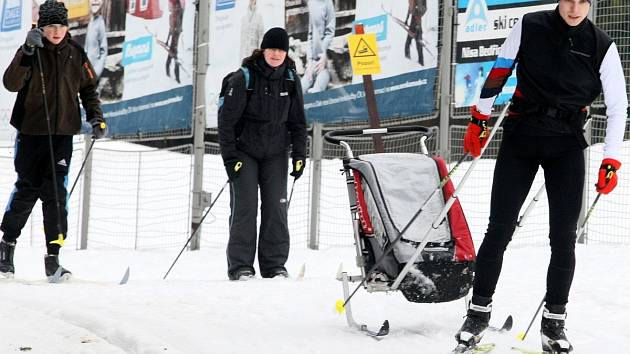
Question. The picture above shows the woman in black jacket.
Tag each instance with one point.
(260, 116)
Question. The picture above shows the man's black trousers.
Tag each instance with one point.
(34, 181)
(273, 240)
(519, 157)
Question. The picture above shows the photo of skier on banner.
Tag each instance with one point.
(96, 38)
(417, 9)
(321, 30)
(252, 29)
(412, 25)
(176, 9)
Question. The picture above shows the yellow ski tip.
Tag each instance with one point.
(521, 336)
(339, 306)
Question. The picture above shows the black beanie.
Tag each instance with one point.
(276, 38)
(52, 12)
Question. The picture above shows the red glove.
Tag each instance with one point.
(607, 180)
(477, 132)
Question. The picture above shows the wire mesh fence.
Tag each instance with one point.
(141, 197)
(33, 232)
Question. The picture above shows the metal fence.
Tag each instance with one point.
(141, 197)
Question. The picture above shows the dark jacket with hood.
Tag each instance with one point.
(68, 75)
(263, 121)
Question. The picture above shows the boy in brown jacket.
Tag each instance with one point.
(49, 72)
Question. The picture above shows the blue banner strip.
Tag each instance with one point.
(398, 96)
(156, 113)
(462, 4)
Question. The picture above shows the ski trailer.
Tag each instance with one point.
(385, 190)
(410, 232)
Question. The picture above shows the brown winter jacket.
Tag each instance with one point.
(68, 75)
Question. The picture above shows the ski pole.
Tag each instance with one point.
(580, 231)
(529, 208)
(87, 154)
(60, 236)
(291, 194)
(522, 335)
(195, 230)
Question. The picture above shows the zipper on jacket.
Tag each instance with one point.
(57, 53)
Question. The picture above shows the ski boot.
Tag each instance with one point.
(477, 321)
(51, 265)
(242, 274)
(280, 272)
(6, 259)
(554, 341)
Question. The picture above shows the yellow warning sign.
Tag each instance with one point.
(364, 54)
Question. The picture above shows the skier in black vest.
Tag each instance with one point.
(564, 62)
(261, 115)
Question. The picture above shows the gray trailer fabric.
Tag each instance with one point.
(395, 187)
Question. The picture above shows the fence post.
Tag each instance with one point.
(317, 147)
(446, 53)
(138, 178)
(86, 192)
(200, 58)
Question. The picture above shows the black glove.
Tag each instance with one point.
(99, 128)
(233, 168)
(298, 167)
(33, 39)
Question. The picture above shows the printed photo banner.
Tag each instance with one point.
(406, 33)
(141, 50)
(483, 27)
(406, 39)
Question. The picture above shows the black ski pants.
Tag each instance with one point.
(519, 157)
(273, 240)
(34, 181)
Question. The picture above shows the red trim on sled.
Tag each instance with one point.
(464, 247)
(364, 217)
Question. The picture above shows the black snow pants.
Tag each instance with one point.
(562, 160)
(273, 241)
(34, 181)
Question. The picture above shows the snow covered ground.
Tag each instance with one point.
(197, 310)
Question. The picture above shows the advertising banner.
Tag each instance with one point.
(15, 21)
(482, 28)
(141, 51)
(406, 42)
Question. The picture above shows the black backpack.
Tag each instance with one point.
(226, 80)
(290, 76)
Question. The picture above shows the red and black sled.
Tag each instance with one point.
(395, 199)
(410, 232)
